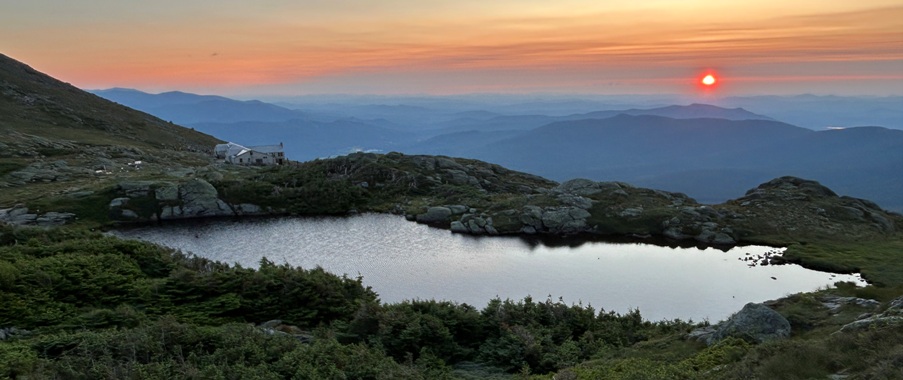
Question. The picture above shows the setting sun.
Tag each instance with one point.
(708, 80)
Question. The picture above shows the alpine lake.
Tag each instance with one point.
(402, 260)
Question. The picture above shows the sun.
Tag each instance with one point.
(709, 80)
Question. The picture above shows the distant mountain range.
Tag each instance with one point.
(184, 108)
(822, 112)
(709, 152)
(706, 158)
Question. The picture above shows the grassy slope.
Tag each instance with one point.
(44, 120)
(35, 103)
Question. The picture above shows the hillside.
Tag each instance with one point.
(58, 139)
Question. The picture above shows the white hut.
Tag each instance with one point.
(256, 155)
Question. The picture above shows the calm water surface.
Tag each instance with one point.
(402, 260)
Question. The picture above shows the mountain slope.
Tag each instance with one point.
(56, 137)
(31, 102)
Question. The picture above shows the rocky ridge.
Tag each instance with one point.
(472, 197)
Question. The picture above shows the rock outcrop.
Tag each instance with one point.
(165, 200)
(785, 205)
(755, 323)
(892, 316)
(790, 205)
(20, 215)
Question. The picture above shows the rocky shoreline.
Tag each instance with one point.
(576, 209)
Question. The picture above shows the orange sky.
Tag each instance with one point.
(399, 46)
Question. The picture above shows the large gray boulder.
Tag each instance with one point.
(755, 323)
(167, 192)
(585, 187)
(435, 215)
(565, 220)
(199, 198)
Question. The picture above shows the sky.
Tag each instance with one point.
(298, 47)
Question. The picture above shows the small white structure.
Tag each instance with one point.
(255, 155)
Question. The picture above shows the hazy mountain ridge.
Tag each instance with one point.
(707, 148)
(185, 108)
(823, 111)
(652, 150)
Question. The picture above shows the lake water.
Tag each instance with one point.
(402, 260)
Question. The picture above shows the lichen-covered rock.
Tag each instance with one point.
(134, 189)
(458, 209)
(199, 198)
(167, 192)
(435, 215)
(119, 202)
(129, 214)
(892, 316)
(755, 323)
(565, 220)
(834, 303)
(20, 215)
(54, 218)
(715, 238)
(585, 187)
(457, 226)
(248, 209)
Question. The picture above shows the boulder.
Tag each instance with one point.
(834, 303)
(247, 209)
(631, 212)
(167, 192)
(54, 219)
(474, 227)
(19, 215)
(134, 189)
(447, 163)
(171, 212)
(565, 220)
(458, 227)
(755, 323)
(716, 238)
(129, 214)
(199, 198)
(674, 233)
(585, 187)
(575, 200)
(118, 202)
(435, 215)
(458, 209)
(531, 216)
(702, 334)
